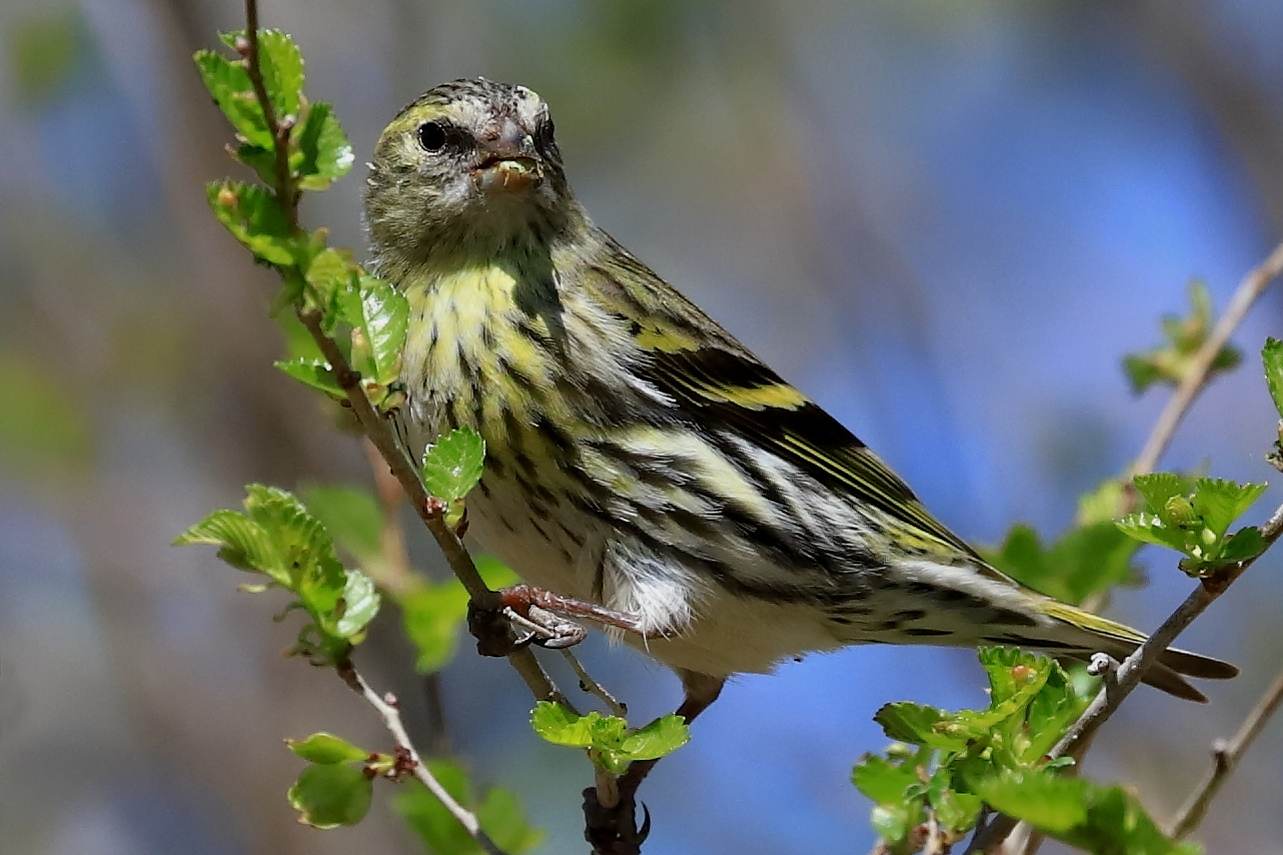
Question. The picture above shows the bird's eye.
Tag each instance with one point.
(432, 136)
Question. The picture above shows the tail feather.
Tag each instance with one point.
(1083, 634)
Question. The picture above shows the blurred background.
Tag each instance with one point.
(945, 221)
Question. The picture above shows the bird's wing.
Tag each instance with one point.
(723, 386)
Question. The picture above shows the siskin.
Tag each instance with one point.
(638, 455)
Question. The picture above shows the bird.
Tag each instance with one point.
(638, 456)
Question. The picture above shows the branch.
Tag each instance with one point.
(1225, 757)
(387, 707)
(1133, 668)
(430, 510)
(1252, 286)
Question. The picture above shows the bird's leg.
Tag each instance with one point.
(613, 830)
(520, 598)
(536, 611)
(700, 692)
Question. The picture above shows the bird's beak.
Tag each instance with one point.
(509, 162)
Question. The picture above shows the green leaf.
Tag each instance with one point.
(433, 615)
(1242, 545)
(331, 795)
(1170, 362)
(1102, 504)
(909, 722)
(282, 65)
(610, 742)
(333, 277)
(1050, 803)
(351, 515)
(1104, 820)
(499, 813)
(276, 536)
(326, 153)
(883, 781)
(1157, 488)
(326, 749)
(360, 604)
(1220, 502)
(228, 82)
(378, 320)
(1272, 356)
(242, 543)
(558, 725)
(453, 464)
(956, 811)
(1147, 528)
(254, 218)
(892, 822)
(658, 739)
(315, 373)
(1085, 561)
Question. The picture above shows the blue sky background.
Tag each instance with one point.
(947, 222)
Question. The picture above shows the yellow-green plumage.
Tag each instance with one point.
(638, 455)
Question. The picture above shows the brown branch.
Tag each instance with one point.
(1132, 669)
(430, 510)
(1225, 757)
(388, 709)
(1160, 437)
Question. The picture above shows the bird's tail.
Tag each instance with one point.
(1078, 634)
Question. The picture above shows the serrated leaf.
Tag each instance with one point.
(558, 725)
(330, 796)
(242, 543)
(1158, 487)
(1172, 361)
(1272, 357)
(1148, 528)
(326, 153)
(378, 317)
(1080, 813)
(453, 465)
(1242, 545)
(254, 218)
(314, 373)
(882, 781)
(893, 822)
(326, 749)
(1219, 502)
(228, 82)
(333, 277)
(1050, 803)
(660, 738)
(277, 536)
(909, 722)
(282, 65)
(499, 813)
(360, 604)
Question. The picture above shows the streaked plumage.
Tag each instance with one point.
(640, 456)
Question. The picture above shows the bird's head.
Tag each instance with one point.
(471, 165)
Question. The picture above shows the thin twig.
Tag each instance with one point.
(1187, 390)
(592, 687)
(1133, 668)
(1225, 757)
(1252, 286)
(387, 707)
(430, 510)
